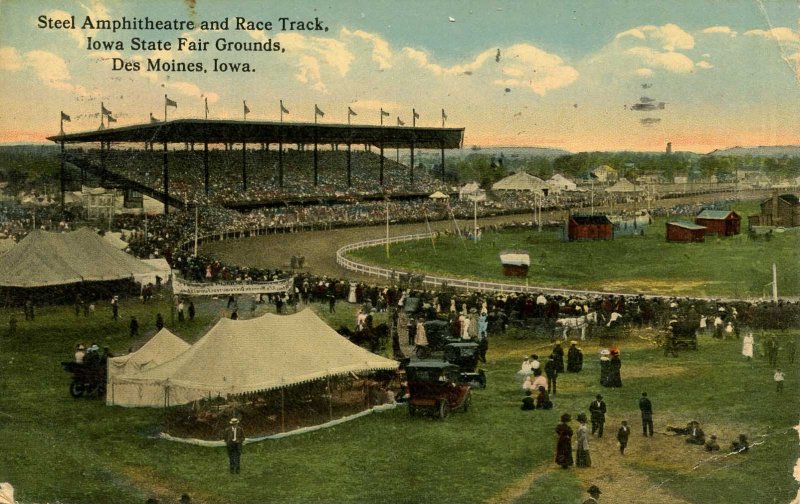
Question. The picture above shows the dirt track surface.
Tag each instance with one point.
(319, 247)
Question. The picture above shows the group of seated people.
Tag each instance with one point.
(92, 354)
(695, 435)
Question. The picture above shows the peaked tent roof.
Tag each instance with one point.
(520, 181)
(623, 185)
(43, 258)
(264, 353)
(162, 347)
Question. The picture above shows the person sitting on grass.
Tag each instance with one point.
(527, 402)
(543, 399)
(740, 445)
(694, 433)
(711, 444)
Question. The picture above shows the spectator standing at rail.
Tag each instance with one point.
(551, 370)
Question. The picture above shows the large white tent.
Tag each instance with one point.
(245, 356)
(162, 347)
(45, 258)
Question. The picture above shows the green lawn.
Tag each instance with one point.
(729, 267)
(55, 448)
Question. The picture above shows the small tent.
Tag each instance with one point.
(244, 356)
(521, 181)
(161, 348)
(438, 195)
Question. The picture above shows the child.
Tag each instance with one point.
(622, 436)
(779, 377)
(527, 401)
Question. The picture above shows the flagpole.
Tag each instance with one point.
(381, 116)
(165, 108)
(315, 113)
(413, 118)
(206, 108)
(281, 110)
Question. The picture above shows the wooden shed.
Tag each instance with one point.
(589, 227)
(681, 231)
(779, 210)
(719, 222)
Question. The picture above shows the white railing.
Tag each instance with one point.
(464, 283)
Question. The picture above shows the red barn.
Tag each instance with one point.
(719, 222)
(589, 227)
(681, 231)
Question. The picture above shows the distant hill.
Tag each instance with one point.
(510, 152)
(760, 151)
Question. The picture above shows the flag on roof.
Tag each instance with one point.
(384, 113)
(284, 109)
(104, 110)
(416, 116)
(170, 103)
(399, 122)
(246, 108)
(318, 112)
(351, 112)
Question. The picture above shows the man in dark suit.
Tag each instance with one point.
(598, 410)
(646, 407)
(623, 434)
(234, 439)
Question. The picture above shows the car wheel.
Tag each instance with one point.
(75, 389)
(467, 402)
(443, 410)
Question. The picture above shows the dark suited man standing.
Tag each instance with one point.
(234, 439)
(598, 411)
(646, 407)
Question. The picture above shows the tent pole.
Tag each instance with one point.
(330, 399)
(283, 411)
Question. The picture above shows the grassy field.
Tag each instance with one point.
(728, 267)
(55, 448)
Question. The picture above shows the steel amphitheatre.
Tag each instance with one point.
(245, 207)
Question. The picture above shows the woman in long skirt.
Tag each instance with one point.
(564, 442)
(582, 458)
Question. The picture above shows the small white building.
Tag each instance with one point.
(560, 183)
(471, 192)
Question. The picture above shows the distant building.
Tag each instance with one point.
(779, 210)
(681, 231)
(669, 148)
(719, 222)
(623, 186)
(604, 173)
(471, 192)
(560, 183)
(589, 227)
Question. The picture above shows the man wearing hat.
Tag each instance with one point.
(574, 358)
(595, 495)
(598, 411)
(234, 439)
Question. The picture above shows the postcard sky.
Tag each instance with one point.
(557, 73)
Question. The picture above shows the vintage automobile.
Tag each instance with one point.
(439, 336)
(464, 354)
(87, 378)
(435, 387)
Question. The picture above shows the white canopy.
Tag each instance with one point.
(44, 258)
(161, 348)
(264, 353)
(438, 195)
(622, 186)
(520, 181)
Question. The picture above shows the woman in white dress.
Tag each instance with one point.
(747, 346)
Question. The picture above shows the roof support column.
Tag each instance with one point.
(442, 144)
(412, 161)
(63, 179)
(316, 162)
(349, 165)
(102, 162)
(166, 181)
(280, 163)
(244, 166)
(381, 179)
(205, 166)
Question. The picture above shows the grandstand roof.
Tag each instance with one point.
(224, 131)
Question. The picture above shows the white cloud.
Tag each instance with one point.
(421, 59)
(316, 55)
(643, 72)
(669, 37)
(704, 64)
(47, 66)
(779, 34)
(10, 59)
(381, 52)
(672, 61)
(726, 30)
(377, 105)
